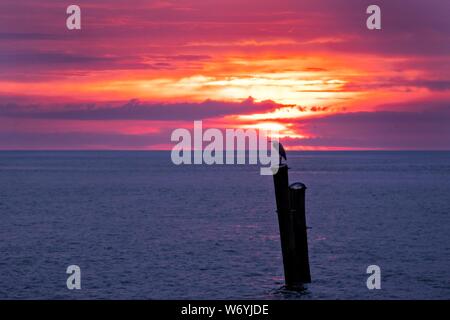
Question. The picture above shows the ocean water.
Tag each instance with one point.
(140, 227)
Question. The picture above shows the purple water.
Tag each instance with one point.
(141, 227)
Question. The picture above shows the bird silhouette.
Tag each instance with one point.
(281, 151)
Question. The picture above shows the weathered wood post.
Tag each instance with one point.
(297, 203)
(290, 202)
(281, 182)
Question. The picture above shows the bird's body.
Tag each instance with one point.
(281, 151)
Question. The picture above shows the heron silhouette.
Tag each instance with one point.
(281, 151)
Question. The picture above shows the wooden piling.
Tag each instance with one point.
(281, 182)
(290, 202)
(297, 204)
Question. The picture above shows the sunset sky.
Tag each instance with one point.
(140, 69)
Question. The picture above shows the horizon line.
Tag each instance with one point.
(168, 150)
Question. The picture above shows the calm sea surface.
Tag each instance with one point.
(141, 227)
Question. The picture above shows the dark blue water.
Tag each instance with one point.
(140, 227)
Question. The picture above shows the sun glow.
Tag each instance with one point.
(293, 112)
(287, 80)
(275, 129)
